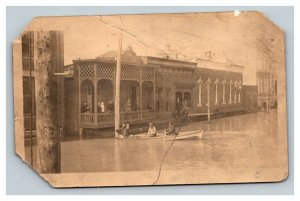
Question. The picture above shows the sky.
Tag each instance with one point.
(239, 39)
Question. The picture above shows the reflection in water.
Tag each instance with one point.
(229, 144)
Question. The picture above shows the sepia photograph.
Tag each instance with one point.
(152, 99)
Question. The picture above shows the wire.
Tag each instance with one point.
(166, 153)
(163, 51)
(133, 35)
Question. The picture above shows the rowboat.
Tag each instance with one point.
(184, 135)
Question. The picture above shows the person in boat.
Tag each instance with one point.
(123, 131)
(127, 130)
(171, 129)
(151, 130)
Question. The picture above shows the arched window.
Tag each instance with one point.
(147, 95)
(208, 82)
(230, 91)
(187, 99)
(239, 88)
(199, 92)
(235, 90)
(216, 88)
(105, 96)
(223, 86)
(87, 96)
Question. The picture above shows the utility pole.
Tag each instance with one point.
(48, 51)
(117, 87)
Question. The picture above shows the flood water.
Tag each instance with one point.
(231, 144)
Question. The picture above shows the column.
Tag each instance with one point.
(216, 100)
(230, 101)
(95, 121)
(235, 89)
(141, 94)
(200, 95)
(223, 93)
(240, 94)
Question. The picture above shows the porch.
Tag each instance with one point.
(96, 93)
(102, 120)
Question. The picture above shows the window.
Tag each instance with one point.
(208, 91)
(199, 92)
(29, 95)
(240, 88)
(235, 89)
(167, 99)
(230, 91)
(216, 87)
(27, 51)
(223, 86)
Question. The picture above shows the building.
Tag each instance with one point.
(267, 88)
(151, 88)
(29, 52)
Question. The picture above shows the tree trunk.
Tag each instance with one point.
(49, 99)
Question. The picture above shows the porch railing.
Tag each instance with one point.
(87, 118)
(106, 118)
(148, 114)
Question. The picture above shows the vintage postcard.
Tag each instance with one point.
(152, 99)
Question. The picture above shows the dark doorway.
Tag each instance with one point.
(178, 101)
(187, 98)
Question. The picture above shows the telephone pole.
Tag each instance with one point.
(117, 87)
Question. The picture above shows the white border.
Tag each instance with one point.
(4, 3)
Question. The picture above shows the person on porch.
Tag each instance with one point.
(128, 106)
(151, 130)
(84, 107)
(110, 106)
(100, 107)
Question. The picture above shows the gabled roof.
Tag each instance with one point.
(127, 56)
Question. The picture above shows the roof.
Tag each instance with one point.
(210, 64)
(127, 56)
(168, 62)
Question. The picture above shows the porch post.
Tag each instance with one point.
(154, 94)
(117, 87)
(141, 93)
(79, 101)
(95, 95)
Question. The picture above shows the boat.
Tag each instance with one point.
(184, 135)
